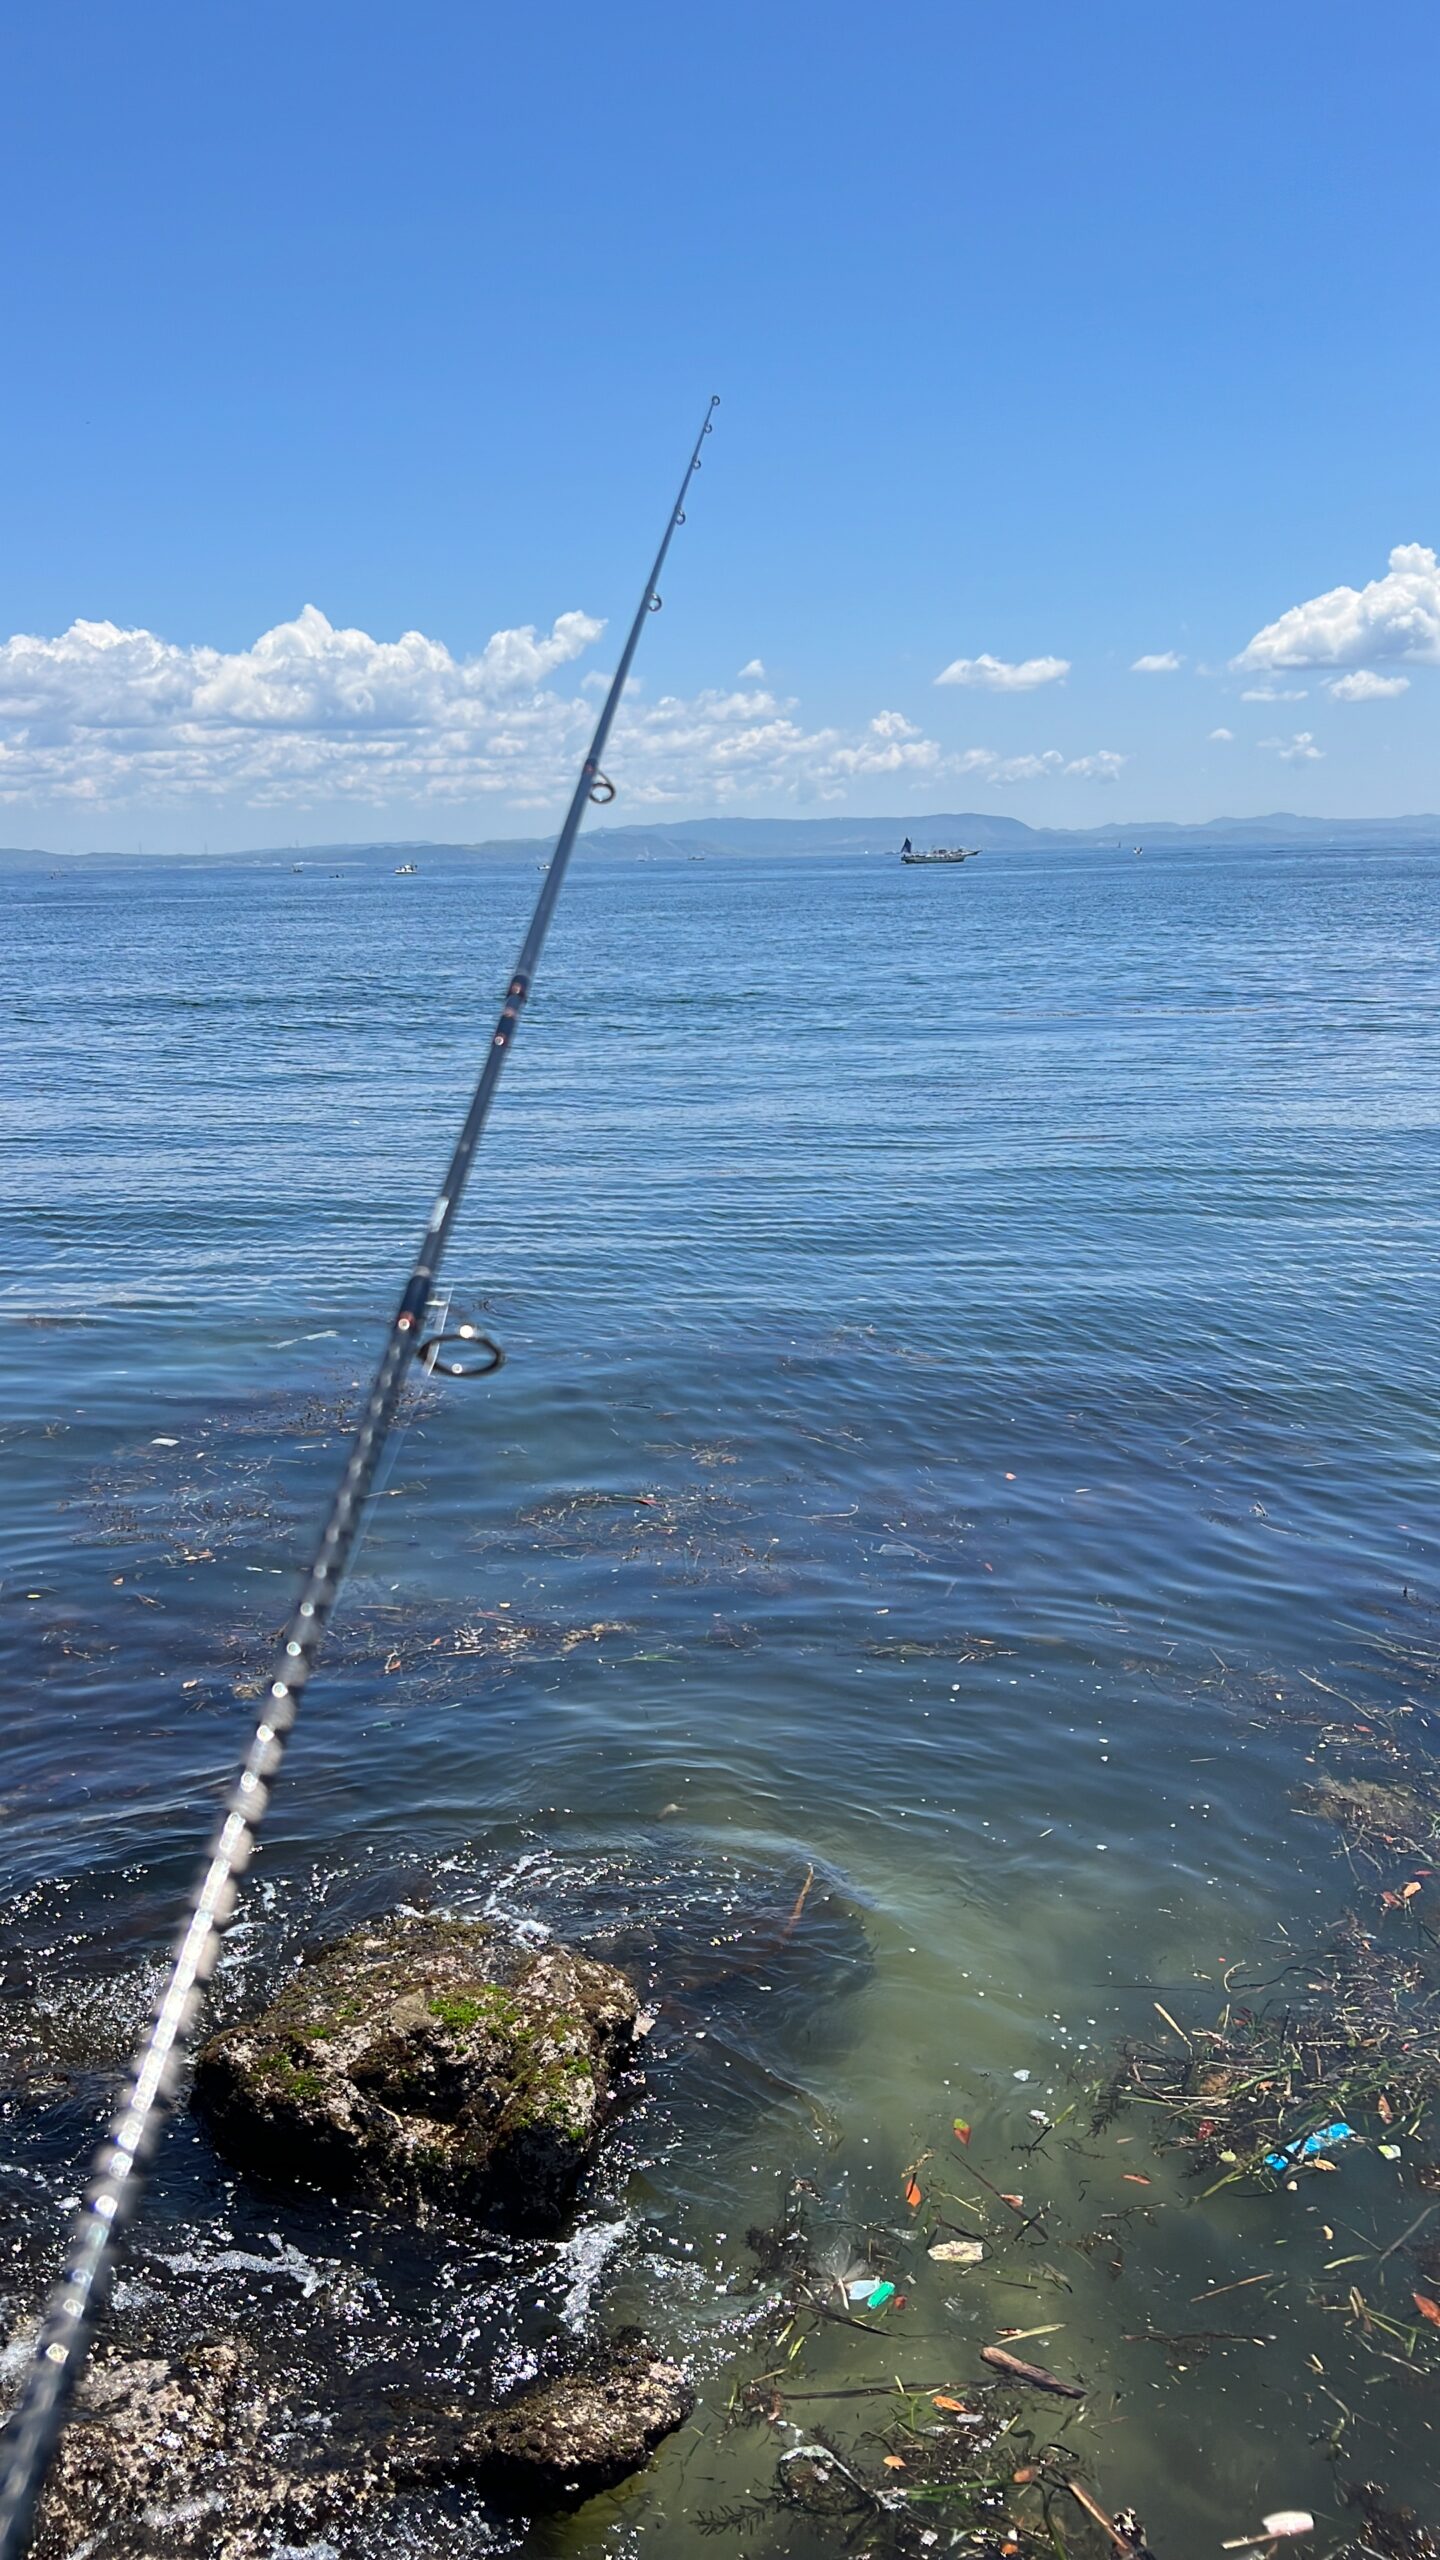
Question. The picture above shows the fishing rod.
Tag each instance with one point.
(117, 2180)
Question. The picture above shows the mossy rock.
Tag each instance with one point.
(426, 2062)
(560, 2441)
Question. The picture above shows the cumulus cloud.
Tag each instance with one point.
(1103, 766)
(1301, 749)
(1001, 675)
(1397, 616)
(1365, 686)
(104, 716)
(1227, 735)
(1162, 662)
(1274, 693)
(752, 668)
(101, 714)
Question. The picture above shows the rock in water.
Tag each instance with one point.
(177, 2455)
(560, 2441)
(198, 2457)
(422, 2062)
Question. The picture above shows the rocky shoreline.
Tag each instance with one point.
(433, 2106)
(432, 2069)
(199, 2458)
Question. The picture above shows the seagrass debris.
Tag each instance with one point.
(964, 2456)
(1350, 2039)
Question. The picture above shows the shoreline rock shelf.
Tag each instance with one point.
(198, 2457)
(426, 2063)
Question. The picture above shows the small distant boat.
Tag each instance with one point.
(942, 853)
(406, 870)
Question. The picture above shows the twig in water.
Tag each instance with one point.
(1409, 2234)
(1175, 2024)
(800, 1901)
(1128, 2543)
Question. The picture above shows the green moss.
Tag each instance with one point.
(491, 2007)
(293, 2077)
(559, 2094)
(341, 2013)
(550, 2088)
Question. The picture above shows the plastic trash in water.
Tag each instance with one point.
(873, 2292)
(1310, 2149)
(1276, 2528)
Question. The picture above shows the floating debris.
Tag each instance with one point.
(1349, 2051)
(1034, 2376)
(1311, 2148)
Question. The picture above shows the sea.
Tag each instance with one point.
(964, 1460)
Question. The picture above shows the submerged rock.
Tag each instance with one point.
(563, 2440)
(426, 2062)
(196, 2456)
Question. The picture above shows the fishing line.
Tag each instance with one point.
(117, 2179)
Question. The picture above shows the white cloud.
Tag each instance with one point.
(1364, 686)
(1103, 766)
(311, 714)
(1227, 735)
(1301, 749)
(1163, 662)
(1274, 693)
(999, 675)
(1397, 616)
(752, 667)
(1032, 768)
(891, 744)
(101, 714)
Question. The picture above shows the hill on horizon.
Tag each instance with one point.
(985, 831)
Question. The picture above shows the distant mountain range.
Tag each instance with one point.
(999, 834)
(770, 836)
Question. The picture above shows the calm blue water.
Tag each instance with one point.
(971, 1354)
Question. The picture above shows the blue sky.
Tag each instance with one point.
(1045, 336)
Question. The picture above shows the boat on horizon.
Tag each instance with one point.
(942, 853)
(406, 870)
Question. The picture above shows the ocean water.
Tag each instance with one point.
(971, 1373)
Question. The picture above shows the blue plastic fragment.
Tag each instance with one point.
(1310, 2148)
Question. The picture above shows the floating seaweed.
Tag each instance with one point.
(1350, 2037)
